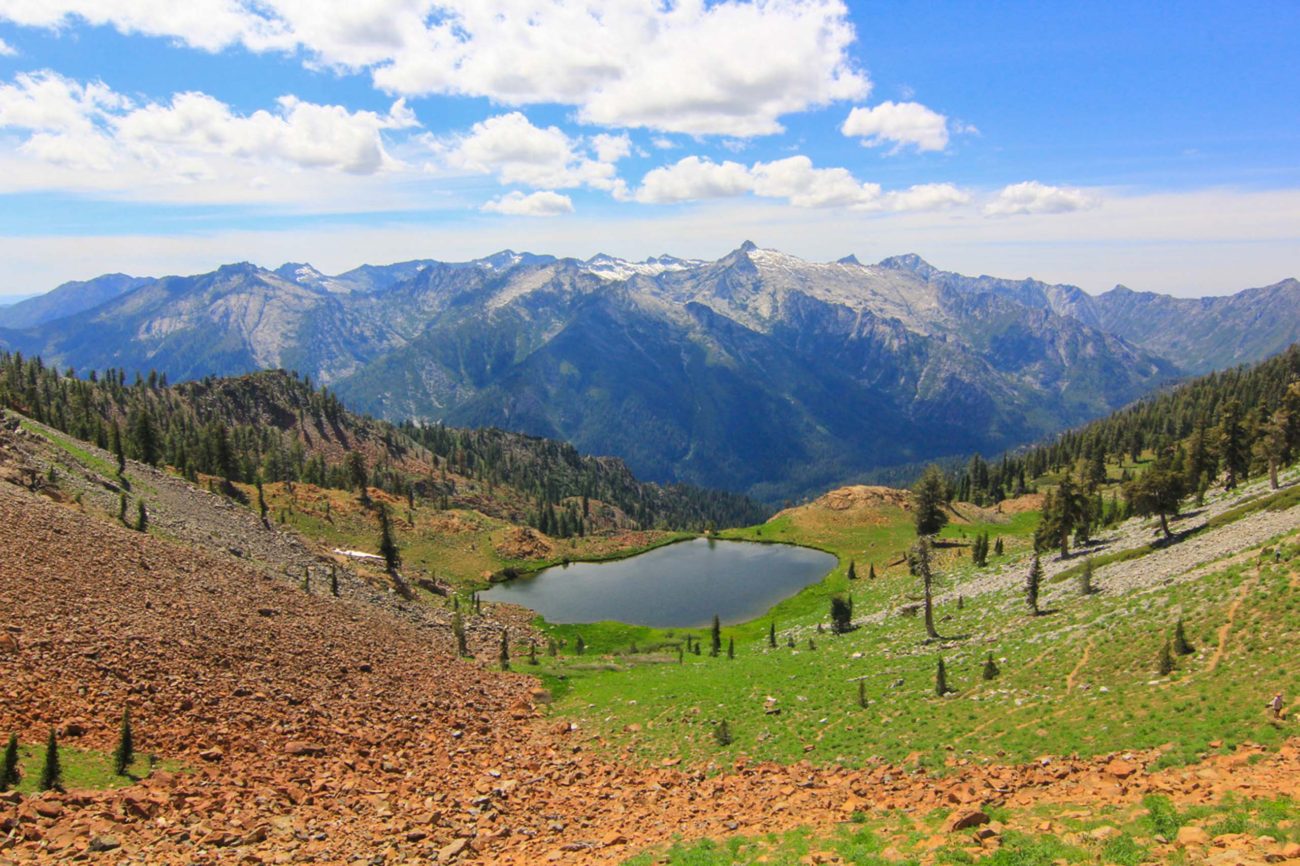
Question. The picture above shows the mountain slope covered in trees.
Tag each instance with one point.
(274, 426)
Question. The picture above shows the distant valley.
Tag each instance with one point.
(759, 372)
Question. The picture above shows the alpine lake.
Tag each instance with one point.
(681, 585)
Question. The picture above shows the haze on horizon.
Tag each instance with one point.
(1148, 145)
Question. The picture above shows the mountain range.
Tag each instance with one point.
(759, 372)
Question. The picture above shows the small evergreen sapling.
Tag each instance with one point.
(51, 770)
(853, 571)
(862, 694)
(1032, 583)
(997, 546)
(1085, 578)
(731, 647)
(125, 752)
(871, 571)
(1165, 665)
(771, 634)
(532, 653)
(1181, 646)
(841, 614)
(579, 645)
(941, 680)
(991, 669)
(141, 516)
(722, 733)
(9, 774)
(715, 637)
(504, 654)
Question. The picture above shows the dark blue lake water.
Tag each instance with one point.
(679, 586)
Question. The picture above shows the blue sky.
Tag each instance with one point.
(1148, 143)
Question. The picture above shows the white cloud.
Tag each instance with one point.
(517, 152)
(1032, 197)
(543, 203)
(7, 50)
(903, 123)
(926, 197)
(84, 137)
(685, 66)
(793, 179)
(691, 179)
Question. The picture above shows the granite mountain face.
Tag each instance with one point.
(758, 372)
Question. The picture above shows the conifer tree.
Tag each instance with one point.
(334, 582)
(121, 508)
(731, 647)
(1181, 646)
(841, 614)
(871, 571)
(1165, 664)
(261, 499)
(51, 770)
(991, 669)
(853, 571)
(9, 774)
(532, 653)
(141, 516)
(722, 733)
(552, 648)
(1157, 491)
(1032, 583)
(125, 752)
(715, 637)
(997, 546)
(503, 655)
(919, 561)
(1232, 444)
(771, 634)
(458, 630)
(118, 451)
(387, 546)
(941, 680)
(929, 495)
(1085, 578)
(579, 645)
(862, 694)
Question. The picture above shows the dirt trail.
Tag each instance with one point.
(1071, 678)
(1226, 629)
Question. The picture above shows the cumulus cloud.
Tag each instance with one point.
(84, 137)
(794, 179)
(1032, 197)
(691, 179)
(510, 147)
(543, 203)
(7, 50)
(684, 66)
(901, 123)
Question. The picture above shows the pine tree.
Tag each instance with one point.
(841, 614)
(1157, 491)
(1165, 665)
(51, 770)
(853, 571)
(504, 655)
(387, 547)
(121, 508)
(941, 680)
(334, 582)
(458, 631)
(261, 499)
(997, 546)
(532, 653)
(1032, 583)
(771, 634)
(552, 648)
(579, 645)
(1232, 446)
(1181, 646)
(9, 774)
(118, 451)
(991, 669)
(722, 733)
(125, 752)
(1085, 578)
(929, 495)
(715, 637)
(731, 647)
(141, 516)
(919, 562)
(871, 571)
(862, 694)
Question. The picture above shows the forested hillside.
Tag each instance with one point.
(1228, 425)
(277, 427)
